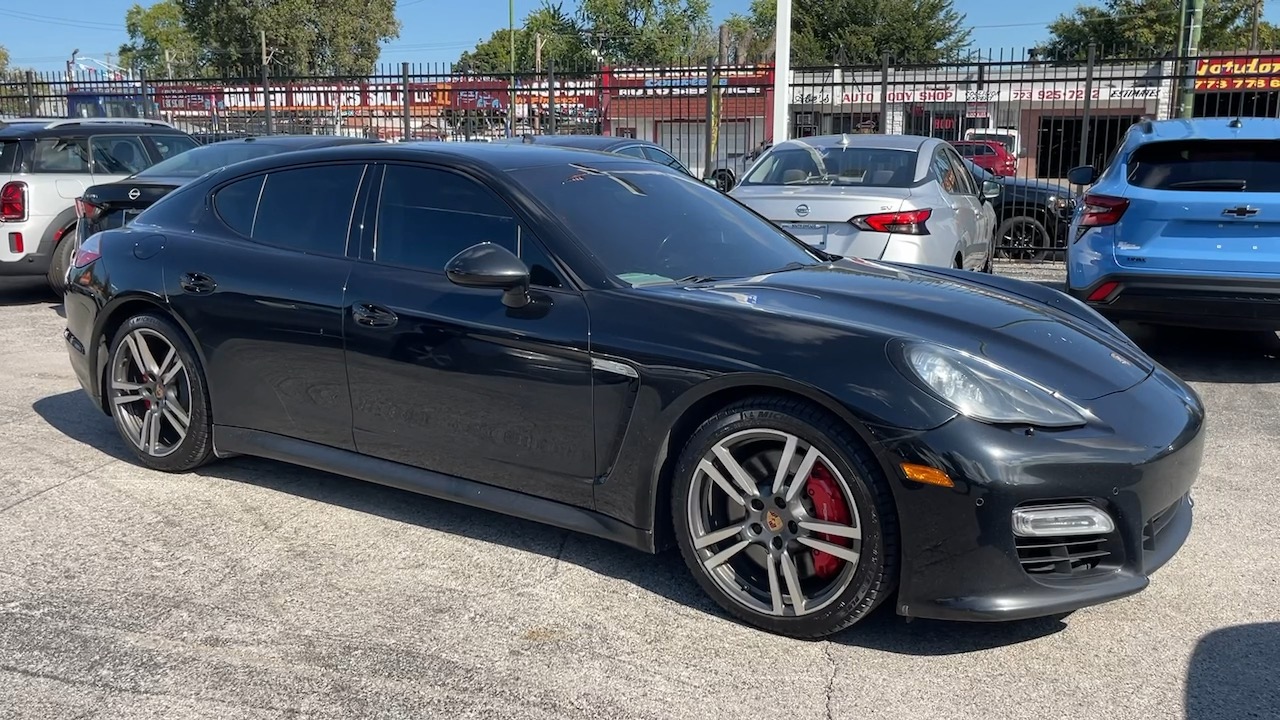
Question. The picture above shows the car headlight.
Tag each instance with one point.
(1060, 203)
(981, 390)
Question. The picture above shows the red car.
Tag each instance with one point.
(988, 155)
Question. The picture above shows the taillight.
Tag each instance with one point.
(910, 222)
(1103, 291)
(1101, 210)
(87, 210)
(13, 202)
(89, 250)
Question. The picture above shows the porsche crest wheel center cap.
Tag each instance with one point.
(773, 520)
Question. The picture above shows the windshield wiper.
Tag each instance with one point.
(697, 279)
(787, 268)
(1224, 184)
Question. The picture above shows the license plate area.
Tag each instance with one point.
(127, 215)
(814, 234)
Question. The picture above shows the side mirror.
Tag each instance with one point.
(990, 189)
(491, 266)
(1021, 154)
(711, 181)
(1083, 175)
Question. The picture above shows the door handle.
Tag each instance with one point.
(373, 316)
(197, 283)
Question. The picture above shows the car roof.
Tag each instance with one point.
(589, 142)
(490, 158)
(58, 127)
(879, 142)
(296, 141)
(1221, 128)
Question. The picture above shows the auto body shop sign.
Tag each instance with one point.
(1022, 93)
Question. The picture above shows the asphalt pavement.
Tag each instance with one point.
(253, 589)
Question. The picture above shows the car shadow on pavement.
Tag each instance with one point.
(1211, 356)
(1232, 674)
(26, 291)
(74, 415)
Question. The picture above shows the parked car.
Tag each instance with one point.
(888, 197)
(1032, 216)
(45, 164)
(991, 156)
(1181, 226)
(661, 367)
(113, 204)
(1010, 138)
(606, 143)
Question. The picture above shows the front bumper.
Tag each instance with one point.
(1227, 303)
(960, 558)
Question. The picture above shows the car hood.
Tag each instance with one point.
(1060, 350)
(1045, 185)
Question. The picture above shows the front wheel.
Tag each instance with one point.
(1023, 238)
(156, 390)
(784, 518)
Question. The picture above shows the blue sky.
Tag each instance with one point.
(438, 30)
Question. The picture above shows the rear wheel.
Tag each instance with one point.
(157, 395)
(61, 262)
(784, 519)
(1023, 238)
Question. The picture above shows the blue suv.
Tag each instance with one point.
(1182, 227)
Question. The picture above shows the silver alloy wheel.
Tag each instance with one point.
(755, 531)
(150, 393)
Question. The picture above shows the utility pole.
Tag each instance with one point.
(1257, 12)
(511, 39)
(168, 62)
(782, 71)
(538, 40)
(1191, 24)
(266, 83)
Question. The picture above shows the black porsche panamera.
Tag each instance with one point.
(609, 346)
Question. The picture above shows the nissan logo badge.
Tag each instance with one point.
(134, 193)
(802, 210)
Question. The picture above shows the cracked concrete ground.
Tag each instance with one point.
(253, 589)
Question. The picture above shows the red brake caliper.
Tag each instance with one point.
(829, 506)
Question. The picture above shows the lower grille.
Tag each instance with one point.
(1065, 557)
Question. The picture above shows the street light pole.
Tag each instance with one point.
(782, 72)
(511, 81)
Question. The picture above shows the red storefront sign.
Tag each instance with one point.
(1225, 74)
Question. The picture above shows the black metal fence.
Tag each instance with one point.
(1043, 116)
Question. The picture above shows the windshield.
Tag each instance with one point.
(198, 161)
(1005, 140)
(659, 226)
(861, 166)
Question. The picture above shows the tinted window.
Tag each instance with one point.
(660, 226)
(633, 151)
(62, 155)
(308, 209)
(237, 204)
(870, 167)
(1210, 165)
(426, 216)
(171, 145)
(8, 156)
(118, 154)
(204, 158)
(943, 171)
(657, 155)
(964, 179)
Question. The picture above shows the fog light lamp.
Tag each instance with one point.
(1057, 520)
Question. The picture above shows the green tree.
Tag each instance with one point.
(1138, 27)
(340, 37)
(562, 43)
(861, 31)
(648, 32)
(160, 44)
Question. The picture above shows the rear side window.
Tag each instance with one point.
(308, 209)
(1207, 165)
(237, 204)
(60, 155)
(170, 145)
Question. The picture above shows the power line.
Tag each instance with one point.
(67, 22)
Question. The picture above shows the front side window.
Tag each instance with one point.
(841, 165)
(964, 179)
(118, 154)
(308, 209)
(60, 155)
(660, 227)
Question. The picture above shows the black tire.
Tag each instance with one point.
(1025, 229)
(195, 446)
(61, 262)
(988, 266)
(724, 180)
(875, 575)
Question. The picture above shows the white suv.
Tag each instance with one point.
(45, 164)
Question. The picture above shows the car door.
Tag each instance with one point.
(449, 379)
(967, 201)
(262, 287)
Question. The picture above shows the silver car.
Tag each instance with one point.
(885, 197)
